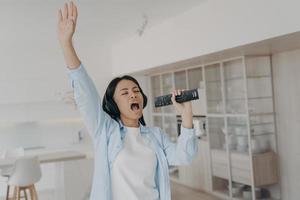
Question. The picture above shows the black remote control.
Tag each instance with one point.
(186, 95)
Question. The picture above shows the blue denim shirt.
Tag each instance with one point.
(108, 137)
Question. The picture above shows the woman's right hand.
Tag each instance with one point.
(67, 18)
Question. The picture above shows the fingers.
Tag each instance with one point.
(70, 10)
(173, 97)
(178, 92)
(65, 12)
(75, 13)
(59, 15)
(175, 93)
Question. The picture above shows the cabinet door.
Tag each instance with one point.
(155, 90)
(167, 88)
(220, 167)
(234, 84)
(195, 80)
(213, 88)
(170, 127)
(197, 174)
(180, 80)
(158, 121)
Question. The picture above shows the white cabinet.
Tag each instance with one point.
(165, 83)
(197, 175)
(236, 97)
(264, 167)
(240, 125)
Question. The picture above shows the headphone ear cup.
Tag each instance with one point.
(110, 106)
(107, 107)
(113, 108)
(145, 100)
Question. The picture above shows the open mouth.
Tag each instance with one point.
(135, 106)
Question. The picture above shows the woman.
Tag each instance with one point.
(131, 160)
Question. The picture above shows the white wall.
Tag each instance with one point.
(286, 73)
(212, 26)
(32, 65)
(33, 75)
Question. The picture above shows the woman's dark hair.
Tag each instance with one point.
(109, 105)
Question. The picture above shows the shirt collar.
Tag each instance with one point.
(143, 128)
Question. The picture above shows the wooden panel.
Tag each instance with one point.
(265, 169)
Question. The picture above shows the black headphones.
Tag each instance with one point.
(110, 106)
(112, 109)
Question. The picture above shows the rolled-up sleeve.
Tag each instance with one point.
(182, 152)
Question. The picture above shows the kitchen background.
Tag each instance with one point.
(145, 39)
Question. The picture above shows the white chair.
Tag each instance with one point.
(6, 172)
(27, 172)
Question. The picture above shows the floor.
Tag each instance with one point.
(180, 192)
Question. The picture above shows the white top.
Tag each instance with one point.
(133, 171)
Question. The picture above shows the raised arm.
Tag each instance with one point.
(184, 151)
(67, 18)
(86, 95)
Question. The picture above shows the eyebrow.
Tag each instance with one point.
(135, 87)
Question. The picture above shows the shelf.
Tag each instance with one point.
(263, 134)
(256, 124)
(223, 152)
(261, 114)
(225, 115)
(221, 194)
(161, 114)
(254, 98)
(213, 81)
(234, 78)
(235, 99)
(264, 167)
(258, 77)
(218, 100)
(238, 198)
(261, 124)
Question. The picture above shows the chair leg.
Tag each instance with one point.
(31, 192)
(19, 193)
(35, 193)
(15, 193)
(7, 192)
(25, 193)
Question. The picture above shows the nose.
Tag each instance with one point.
(133, 95)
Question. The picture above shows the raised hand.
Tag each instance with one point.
(65, 29)
(67, 18)
(184, 109)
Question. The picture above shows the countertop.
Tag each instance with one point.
(54, 154)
